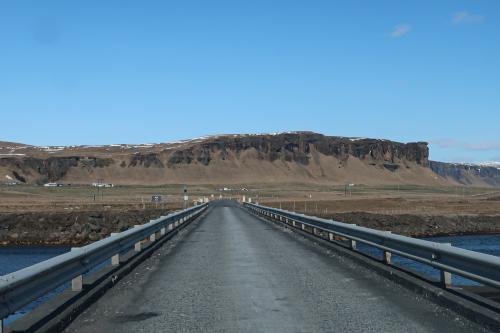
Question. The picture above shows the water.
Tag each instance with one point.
(489, 244)
(15, 258)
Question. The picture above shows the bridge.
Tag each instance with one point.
(227, 266)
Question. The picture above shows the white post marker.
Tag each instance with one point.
(77, 282)
(137, 246)
(387, 255)
(115, 260)
(446, 276)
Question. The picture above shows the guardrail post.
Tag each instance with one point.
(137, 246)
(293, 223)
(352, 244)
(303, 226)
(315, 231)
(152, 237)
(162, 231)
(445, 279)
(115, 260)
(331, 236)
(77, 282)
(170, 226)
(387, 256)
(445, 276)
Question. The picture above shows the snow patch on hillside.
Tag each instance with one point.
(489, 164)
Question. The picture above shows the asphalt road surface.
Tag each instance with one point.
(231, 272)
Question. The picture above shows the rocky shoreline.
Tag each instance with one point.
(79, 228)
(421, 226)
(74, 228)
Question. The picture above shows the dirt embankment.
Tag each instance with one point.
(422, 225)
(69, 228)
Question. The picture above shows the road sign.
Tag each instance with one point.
(156, 198)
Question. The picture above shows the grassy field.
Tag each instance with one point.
(304, 197)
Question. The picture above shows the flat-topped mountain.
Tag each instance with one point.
(299, 157)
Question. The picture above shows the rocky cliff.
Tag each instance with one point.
(283, 157)
(298, 147)
(467, 174)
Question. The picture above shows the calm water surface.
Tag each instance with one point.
(15, 258)
(489, 244)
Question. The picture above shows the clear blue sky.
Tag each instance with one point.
(99, 72)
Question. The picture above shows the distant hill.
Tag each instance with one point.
(7, 145)
(298, 157)
(487, 174)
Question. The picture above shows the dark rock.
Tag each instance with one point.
(19, 177)
(465, 173)
(391, 166)
(297, 147)
(70, 228)
(51, 168)
(146, 160)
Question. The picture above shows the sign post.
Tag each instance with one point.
(186, 198)
(156, 199)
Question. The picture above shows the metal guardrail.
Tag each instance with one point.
(479, 267)
(19, 288)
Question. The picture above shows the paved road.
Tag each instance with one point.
(231, 272)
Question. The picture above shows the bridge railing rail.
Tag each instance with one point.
(20, 288)
(479, 267)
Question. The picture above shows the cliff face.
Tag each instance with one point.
(466, 174)
(51, 169)
(285, 157)
(297, 147)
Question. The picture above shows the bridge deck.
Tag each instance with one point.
(233, 272)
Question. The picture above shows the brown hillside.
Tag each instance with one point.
(304, 157)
